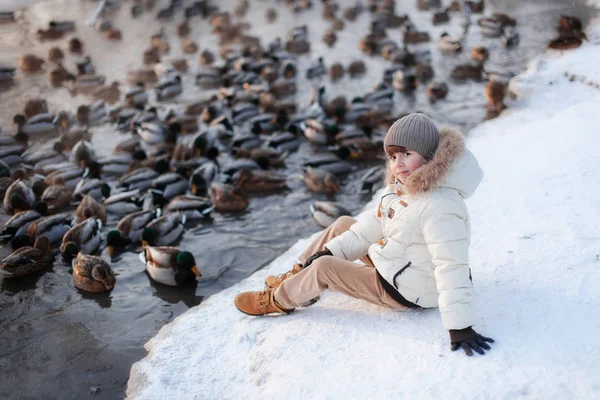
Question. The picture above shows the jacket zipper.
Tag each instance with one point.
(399, 272)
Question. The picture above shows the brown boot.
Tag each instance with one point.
(273, 281)
(259, 303)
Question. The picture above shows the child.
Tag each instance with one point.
(415, 245)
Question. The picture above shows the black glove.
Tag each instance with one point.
(318, 254)
(469, 340)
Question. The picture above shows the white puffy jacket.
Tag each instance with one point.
(419, 235)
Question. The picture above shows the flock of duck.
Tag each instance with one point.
(180, 162)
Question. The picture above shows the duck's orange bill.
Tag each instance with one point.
(196, 270)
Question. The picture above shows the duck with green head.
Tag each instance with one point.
(92, 274)
(83, 237)
(169, 265)
(129, 229)
(164, 231)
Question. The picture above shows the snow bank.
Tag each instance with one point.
(536, 267)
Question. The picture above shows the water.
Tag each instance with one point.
(59, 342)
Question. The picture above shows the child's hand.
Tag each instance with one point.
(318, 254)
(469, 340)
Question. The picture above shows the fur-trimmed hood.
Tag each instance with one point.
(452, 166)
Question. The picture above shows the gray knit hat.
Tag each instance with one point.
(416, 132)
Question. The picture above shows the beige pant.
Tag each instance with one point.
(327, 272)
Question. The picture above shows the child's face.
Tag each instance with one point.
(405, 162)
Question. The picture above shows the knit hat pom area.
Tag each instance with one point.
(416, 132)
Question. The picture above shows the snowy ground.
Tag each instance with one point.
(536, 267)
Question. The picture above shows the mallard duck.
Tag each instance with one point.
(510, 36)
(57, 197)
(372, 180)
(144, 75)
(356, 68)
(193, 207)
(169, 185)
(20, 241)
(169, 265)
(326, 212)
(188, 46)
(270, 15)
(34, 107)
(414, 37)
(404, 81)
(113, 34)
(169, 88)
(227, 198)
(467, 71)
(480, 54)
(124, 203)
(18, 197)
(92, 274)
(115, 164)
(40, 124)
(437, 91)
(505, 19)
(55, 54)
(7, 17)
(565, 43)
(329, 38)
(449, 45)
(59, 75)
(19, 223)
(139, 178)
(316, 70)
(30, 64)
(53, 227)
(490, 27)
(129, 229)
(318, 131)
(440, 17)
(85, 66)
(95, 188)
(297, 46)
(475, 7)
(83, 237)
(41, 157)
(259, 181)
(320, 181)
(136, 96)
(331, 163)
(164, 231)
(156, 133)
(183, 29)
(75, 46)
(28, 260)
(83, 153)
(63, 174)
(206, 57)
(90, 208)
(109, 94)
(87, 84)
(336, 71)
(338, 24)
(495, 92)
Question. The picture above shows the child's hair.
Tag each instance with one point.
(392, 149)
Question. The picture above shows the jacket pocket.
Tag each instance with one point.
(397, 274)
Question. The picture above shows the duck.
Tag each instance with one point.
(188, 46)
(139, 178)
(193, 207)
(565, 43)
(30, 64)
(320, 181)
(18, 197)
(110, 94)
(85, 66)
(270, 15)
(28, 260)
(356, 68)
(59, 75)
(136, 96)
(75, 46)
(92, 274)
(495, 91)
(164, 230)
(449, 45)
(467, 71)
(476, 7)
(66, 174)
(53, 227)
(57, 197)
(129, 229)
(371, 180)
(437, 91)
(510, 36)
(227, 198)
(350, 13)
(412, 36)
(183, 29)
(169, 88)
(250, 181)
(49, 34)
(480, 54)
(169, 265)
(90, 208)
(329, 37)
(504, 19)
(297, 46)
(206, 57)
(334, 163)
(83, 238)
(338, 24)
(203, 176)
(490, 27)
(83, 153)
(319, 132)
(113, 34)
(7, 17)
(20, 241)
(144, 75)
(19, 223)
(154, 133)
(55, 54)
(39, 158)
(275, 157)
(7, 75)
(440, 17)
(336, 71)
(424, 72)
(404, 81)
(96, 188)
(40, 124)
(120, 204)
(169, 185)
(35, 106)
(326, 212)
